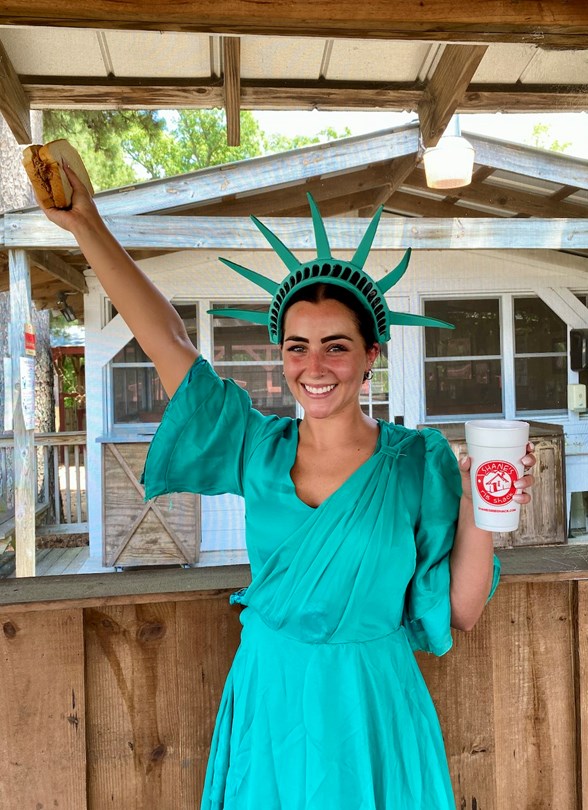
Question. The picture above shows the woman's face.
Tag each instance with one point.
(325, 357)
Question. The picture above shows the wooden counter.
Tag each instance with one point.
(109, 686)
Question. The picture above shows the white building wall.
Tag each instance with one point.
(198, 276)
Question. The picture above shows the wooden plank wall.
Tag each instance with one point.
(112, 705)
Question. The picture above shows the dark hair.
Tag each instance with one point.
(315, 293)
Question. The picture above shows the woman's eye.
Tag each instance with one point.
(337, 347)
(296, 349)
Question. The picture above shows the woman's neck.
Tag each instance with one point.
(337, 431)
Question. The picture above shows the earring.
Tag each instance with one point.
(367, 375)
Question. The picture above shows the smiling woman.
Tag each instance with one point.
(360, 535)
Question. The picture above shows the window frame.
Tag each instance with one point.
(143, 428)
(462, 417)
(548, 413)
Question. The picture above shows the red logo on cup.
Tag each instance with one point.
(495, 481)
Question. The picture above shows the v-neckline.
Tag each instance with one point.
(292, 461)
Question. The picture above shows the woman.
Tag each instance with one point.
(360, 535)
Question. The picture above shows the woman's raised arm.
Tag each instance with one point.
(149, 315)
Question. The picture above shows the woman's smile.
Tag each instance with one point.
(318, 390)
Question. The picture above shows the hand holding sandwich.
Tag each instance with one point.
(82, 211)
(150, 316)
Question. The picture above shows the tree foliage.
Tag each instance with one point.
(540, 138)
(125, 146)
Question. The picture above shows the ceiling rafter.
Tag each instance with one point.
(56, 267)
(14, 104)
(508, 199)
(89, 92)
(555, 23)
(232, 88)
(414, 206)
(293, 197)
(402, 168)
(445, 89)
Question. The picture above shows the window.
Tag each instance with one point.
(243, 352)
(583, 375)
(463, 367)
(137, 392)
(375, 396)
(541, 362)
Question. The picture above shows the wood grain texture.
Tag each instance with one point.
(89, 92)
(580, 663)
(552, 22)
(154, 678)
(445, 89)
(394, 233)
(42, 706)
(232, 88)
(534, 697)
(510, 697)
(506, 699)
(14, 105)
(162, 531)
(465, 705)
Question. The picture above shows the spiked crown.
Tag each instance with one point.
(327, 270)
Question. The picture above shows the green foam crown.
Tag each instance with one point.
(327, 270)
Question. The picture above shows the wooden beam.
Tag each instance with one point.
(210, 233)
(506, 199)
(446, 87)
(257, 174)
(232, 88)
(402, 168)
(561, 23)
(14, 105)
(418, 206)
(565, 304)
(545, 165)
(530, 98)
(88, 92)
(284, 200)
(56, 267)
(24, 437)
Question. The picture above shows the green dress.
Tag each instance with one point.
(324, 707)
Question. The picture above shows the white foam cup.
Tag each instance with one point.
(496, 447)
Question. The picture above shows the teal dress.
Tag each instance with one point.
(324, 707)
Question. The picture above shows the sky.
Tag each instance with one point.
(517, 127)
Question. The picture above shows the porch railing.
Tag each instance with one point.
(61, 484)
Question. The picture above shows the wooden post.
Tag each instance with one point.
(24, 440)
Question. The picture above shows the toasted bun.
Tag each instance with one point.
(44, 166)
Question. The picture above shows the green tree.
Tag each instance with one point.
(99, 136)
(192, 139)
(540, 138)
(282, 143)
(121, 147)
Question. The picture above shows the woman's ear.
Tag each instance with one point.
(373, 353)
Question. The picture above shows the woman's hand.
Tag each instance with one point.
(82, 211)
(529, 460)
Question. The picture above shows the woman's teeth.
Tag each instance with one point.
(315, 389)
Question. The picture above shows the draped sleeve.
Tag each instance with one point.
(202, 442)
(427, 609)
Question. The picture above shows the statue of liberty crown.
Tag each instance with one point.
(327, 270)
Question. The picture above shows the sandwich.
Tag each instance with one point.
(44, 166)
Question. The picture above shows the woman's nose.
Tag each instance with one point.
(315, 364)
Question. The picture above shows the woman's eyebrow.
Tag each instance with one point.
(335, 337)
(298, 339)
